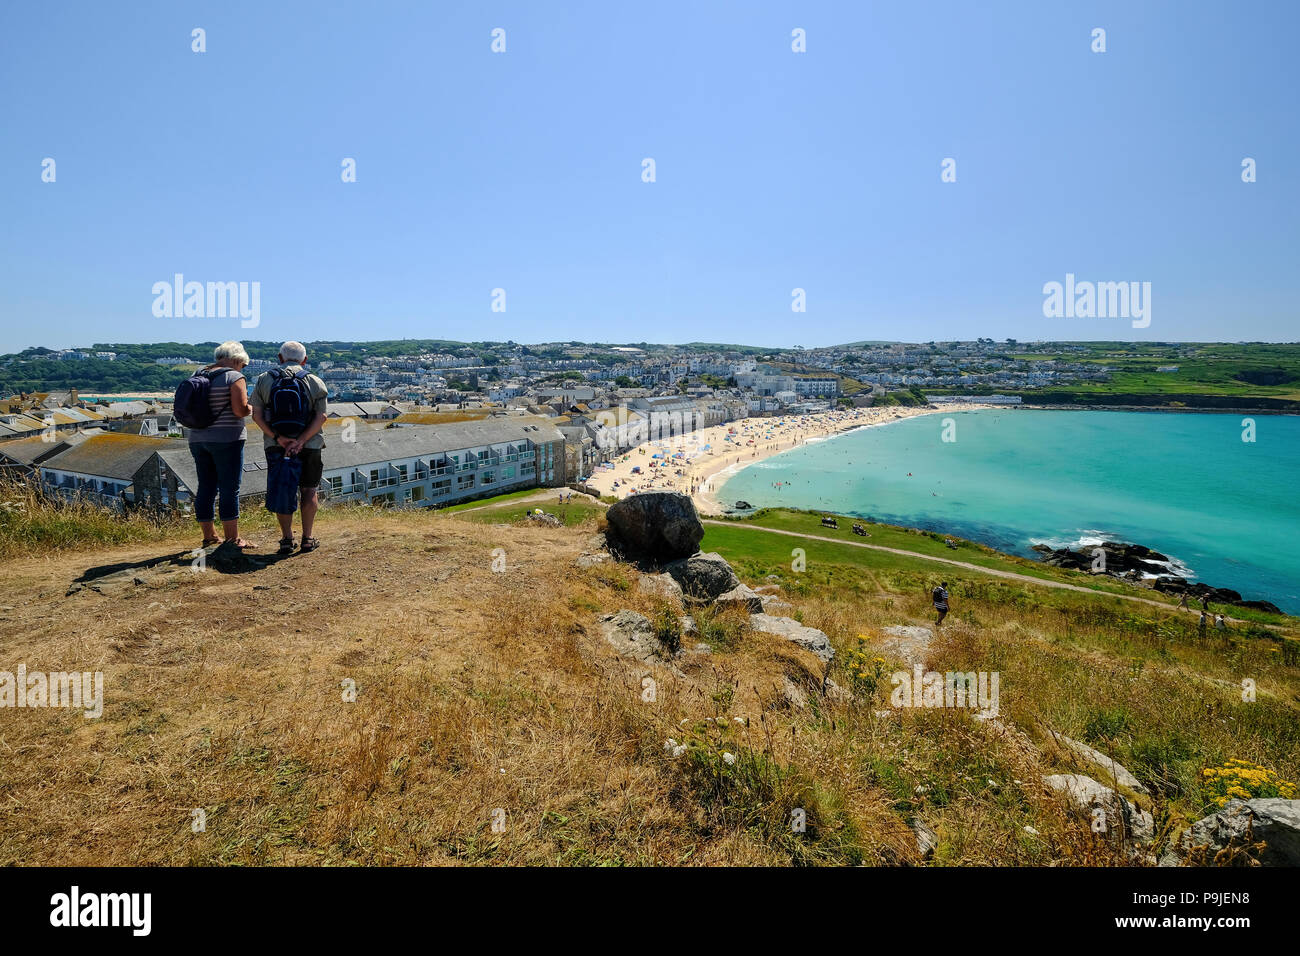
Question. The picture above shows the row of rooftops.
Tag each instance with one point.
(120, 456)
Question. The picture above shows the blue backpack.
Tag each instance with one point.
(289, 407)
(191, 405)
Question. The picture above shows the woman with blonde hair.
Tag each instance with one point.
(218, 450)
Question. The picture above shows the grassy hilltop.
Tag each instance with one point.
(482, 689)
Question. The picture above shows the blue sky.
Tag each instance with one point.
(522, 170)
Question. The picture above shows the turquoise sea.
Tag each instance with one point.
(1225, 510)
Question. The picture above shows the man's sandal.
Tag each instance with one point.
(286, 546)
(309, 544)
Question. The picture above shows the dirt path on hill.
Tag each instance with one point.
(965, 565)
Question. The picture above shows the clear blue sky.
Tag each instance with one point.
(523, 171)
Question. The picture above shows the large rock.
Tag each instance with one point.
(910, 643)
(1119, 815)
(654, 526)
(633, 635)
(703, 577)
(1120, 558)
(1114, 770)
(742, 595)
(660, 586)
(808, 638)
(1267, 606)
(1238, 828)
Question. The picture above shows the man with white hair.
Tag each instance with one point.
(289, 407)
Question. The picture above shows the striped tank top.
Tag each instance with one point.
(227, 426)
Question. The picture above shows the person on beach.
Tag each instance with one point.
(940, 599)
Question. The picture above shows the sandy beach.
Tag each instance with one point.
(700, 462)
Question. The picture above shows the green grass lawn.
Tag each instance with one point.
(496, 499)
(743, 543)
(572, 512)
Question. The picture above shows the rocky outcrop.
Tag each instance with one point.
(661, 586)
(1266, 606)
(655, 527)
(741, 596)
(908, 642)
(808, 638)
(1135, 562)
(1119, 558)
(703, 577)
(1170, 584)
(633, 636)
(1115, 771)
(1118, 814)
(652, 531)
(1245, 832)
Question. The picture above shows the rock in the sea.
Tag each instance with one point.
(703, 577)
(806, 637)
(1116, 557)
(1231, 836)
(655, 526)
(1119, 815)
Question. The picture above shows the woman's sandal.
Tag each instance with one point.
(241, 543)
(209, 542)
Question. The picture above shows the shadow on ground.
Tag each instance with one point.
(222, 559)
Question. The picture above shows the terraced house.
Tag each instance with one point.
(416, 465)
(101, 467)
(426, 465)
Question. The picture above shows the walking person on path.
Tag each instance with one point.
(940, 598)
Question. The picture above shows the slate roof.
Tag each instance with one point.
(179, 460)
(373, 446)
(111, 455)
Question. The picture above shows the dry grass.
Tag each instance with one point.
(476, 691)
(480, 691)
